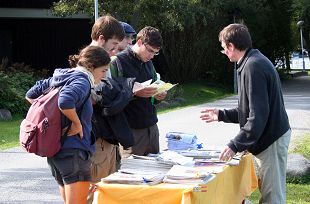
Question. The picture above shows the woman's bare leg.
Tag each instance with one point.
(76, 193)
(62, 193)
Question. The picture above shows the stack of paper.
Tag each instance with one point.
(187, 175)
(139, 164)
(124, 178)
(201, 154)
(213, 161)
(140, 170)
(212, 167)
(174, 158)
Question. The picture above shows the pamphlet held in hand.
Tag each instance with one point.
(160, 85)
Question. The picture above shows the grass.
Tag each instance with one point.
(295, 194)
(303, 146)
(193, 93)
(297, 190)
(9, 132)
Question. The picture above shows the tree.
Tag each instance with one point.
(69, 7)
(190, 30)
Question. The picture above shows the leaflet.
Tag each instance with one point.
(139, 86)
(160, 85)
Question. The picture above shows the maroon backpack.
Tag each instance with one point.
(40, 131)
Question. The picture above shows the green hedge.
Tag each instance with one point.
(14, 83)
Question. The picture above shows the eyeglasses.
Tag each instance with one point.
(150, 50)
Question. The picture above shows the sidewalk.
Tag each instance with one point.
(25, 178)
(296, 94)
(297, 102)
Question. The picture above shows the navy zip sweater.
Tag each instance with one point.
(260, 113)
(140, 112)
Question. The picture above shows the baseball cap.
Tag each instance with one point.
(128, 28)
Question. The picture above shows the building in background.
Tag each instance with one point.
(29, 33)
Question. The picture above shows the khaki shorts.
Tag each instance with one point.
(103, 162)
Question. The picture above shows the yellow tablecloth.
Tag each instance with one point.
(230, 186)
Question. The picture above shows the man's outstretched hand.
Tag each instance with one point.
(210, 115)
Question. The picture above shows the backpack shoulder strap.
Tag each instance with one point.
(154, 73)
(116, 67)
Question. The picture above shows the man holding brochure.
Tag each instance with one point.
(135, 62)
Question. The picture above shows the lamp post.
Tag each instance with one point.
(96, 9)
(300, 25)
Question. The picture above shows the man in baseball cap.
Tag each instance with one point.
(128, 28)
(128, 39)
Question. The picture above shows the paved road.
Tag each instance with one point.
(25, 178)
(297, 102)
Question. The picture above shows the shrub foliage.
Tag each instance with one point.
(15, 80)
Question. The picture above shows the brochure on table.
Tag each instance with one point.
(169, 167)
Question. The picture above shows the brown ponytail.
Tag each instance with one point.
(91, 57)
(73, 60)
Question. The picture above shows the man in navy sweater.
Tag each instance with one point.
(135, 62)
(264, 126)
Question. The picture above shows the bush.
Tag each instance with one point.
(299, 180)
(14, 83)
